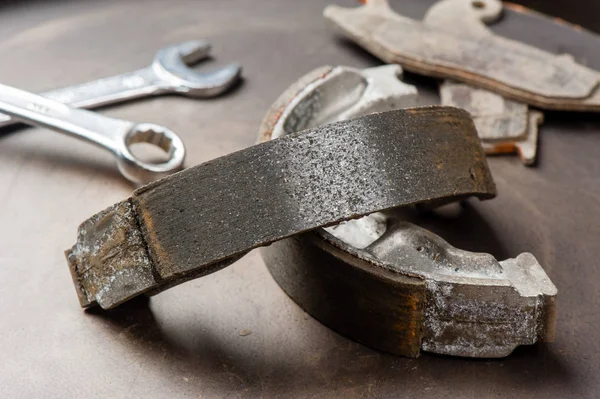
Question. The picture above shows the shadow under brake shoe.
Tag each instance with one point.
(507, 67)
(388, 283)
(202, 219)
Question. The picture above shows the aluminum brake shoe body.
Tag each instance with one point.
(204, 218)
(510, 68)
(386, 282)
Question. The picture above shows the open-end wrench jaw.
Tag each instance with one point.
(172, 65)
(191, 52)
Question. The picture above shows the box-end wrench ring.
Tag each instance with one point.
(113, 134)
(168, 74)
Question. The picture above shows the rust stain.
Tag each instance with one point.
(158, 256)
(501, 148)
(271, 120)
(413, 302)
(410, 327)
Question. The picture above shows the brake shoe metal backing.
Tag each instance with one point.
(386, 282)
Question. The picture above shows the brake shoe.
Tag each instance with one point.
(388, 283)
(473, 55)
(202, 219)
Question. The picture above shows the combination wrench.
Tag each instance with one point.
(168, 74)
(115, 135)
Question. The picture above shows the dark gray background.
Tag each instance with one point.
(235, 333)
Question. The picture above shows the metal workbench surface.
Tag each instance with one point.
(235, 333)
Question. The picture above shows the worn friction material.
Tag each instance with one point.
(507, 67)
(202, 219)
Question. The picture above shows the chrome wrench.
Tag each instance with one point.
(168, 74)
(115, 135)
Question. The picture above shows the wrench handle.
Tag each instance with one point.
(40, 111)
(101, 92)
(113, 134)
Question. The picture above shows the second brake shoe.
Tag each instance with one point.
(204, 218)
(388, 283)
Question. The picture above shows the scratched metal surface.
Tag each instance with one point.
(235, 333)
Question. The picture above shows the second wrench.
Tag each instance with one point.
(169, 73)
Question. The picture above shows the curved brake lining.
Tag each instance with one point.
(204, 218)
(507, 67)
(388, 283)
